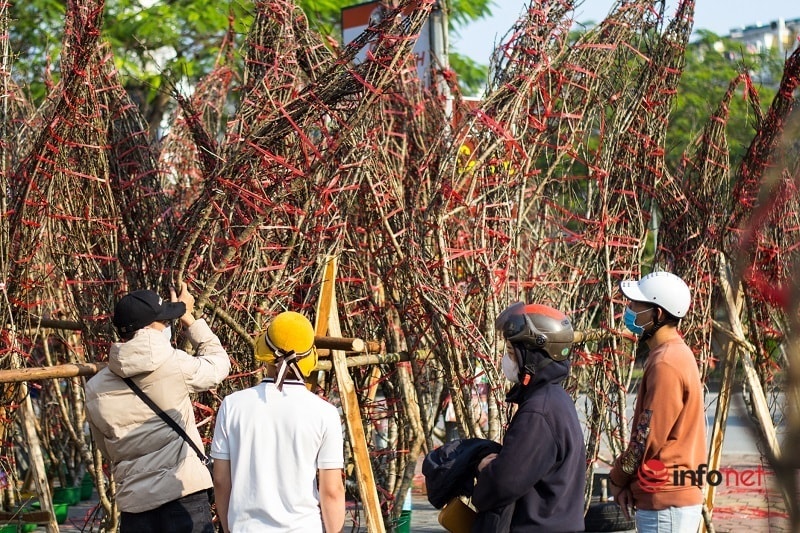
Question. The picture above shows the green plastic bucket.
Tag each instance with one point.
(404, 522)
(87, 487)
(61, 510)
(68, 495)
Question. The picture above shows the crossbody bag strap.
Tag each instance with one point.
(168, 419)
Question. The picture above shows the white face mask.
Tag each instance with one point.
(510, 368)
(167, 332)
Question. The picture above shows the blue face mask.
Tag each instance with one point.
(629, 317)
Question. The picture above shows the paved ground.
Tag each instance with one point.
(747, 500)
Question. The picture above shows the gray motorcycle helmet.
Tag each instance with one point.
(538, 327)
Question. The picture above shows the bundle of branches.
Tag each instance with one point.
(81, 194)
(576, 130)
(288, 186)
(761, 247)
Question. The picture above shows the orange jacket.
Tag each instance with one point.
(665, 458)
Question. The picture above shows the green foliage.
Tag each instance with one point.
(181, 37)
(471, 75)
(462, 12)
(160, 44)
(152, 40)
(35, 31)
(324, 16)
(712, 62)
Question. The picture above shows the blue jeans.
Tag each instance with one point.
(190, 514)
(671, 520)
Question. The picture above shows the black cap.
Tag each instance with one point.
(141, 308)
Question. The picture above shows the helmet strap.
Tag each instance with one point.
(647, 335)
(286, 361)
(642, 350)
(529, 370)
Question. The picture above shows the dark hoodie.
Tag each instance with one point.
(542, 464)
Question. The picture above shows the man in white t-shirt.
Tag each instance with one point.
(278, 448)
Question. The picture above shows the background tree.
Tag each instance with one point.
(711, 63)
(155, 45)
(160, 45)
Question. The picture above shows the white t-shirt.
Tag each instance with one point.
(275, 442)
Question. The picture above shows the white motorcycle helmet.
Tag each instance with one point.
(663, 289)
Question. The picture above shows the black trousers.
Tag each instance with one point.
(190, 514)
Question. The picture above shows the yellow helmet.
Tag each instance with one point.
(287, 343)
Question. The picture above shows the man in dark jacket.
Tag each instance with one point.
(541, 466)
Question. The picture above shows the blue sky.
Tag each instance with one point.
(478, 39)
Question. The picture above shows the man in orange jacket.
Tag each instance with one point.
(669, 420)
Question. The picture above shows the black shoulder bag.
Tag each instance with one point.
(206, 460)
(169, 420)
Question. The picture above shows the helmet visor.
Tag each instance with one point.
(539, 327)
(632, 291)
(513, 322)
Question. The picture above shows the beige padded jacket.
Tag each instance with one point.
(152, 464)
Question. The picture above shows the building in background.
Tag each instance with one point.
(357, 18)
(780, 34)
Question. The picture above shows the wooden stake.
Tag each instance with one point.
(36, 459)
(352, 412)
(744, 349)
(723, 402)
(751, 376)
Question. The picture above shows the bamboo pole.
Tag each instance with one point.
(724, 398)
(69, 370)
(324, 344)
(352, 411)
(375, 359)
(340, 343)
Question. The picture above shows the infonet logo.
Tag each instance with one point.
(653, 475)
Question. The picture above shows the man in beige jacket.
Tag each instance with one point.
(161, 482)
